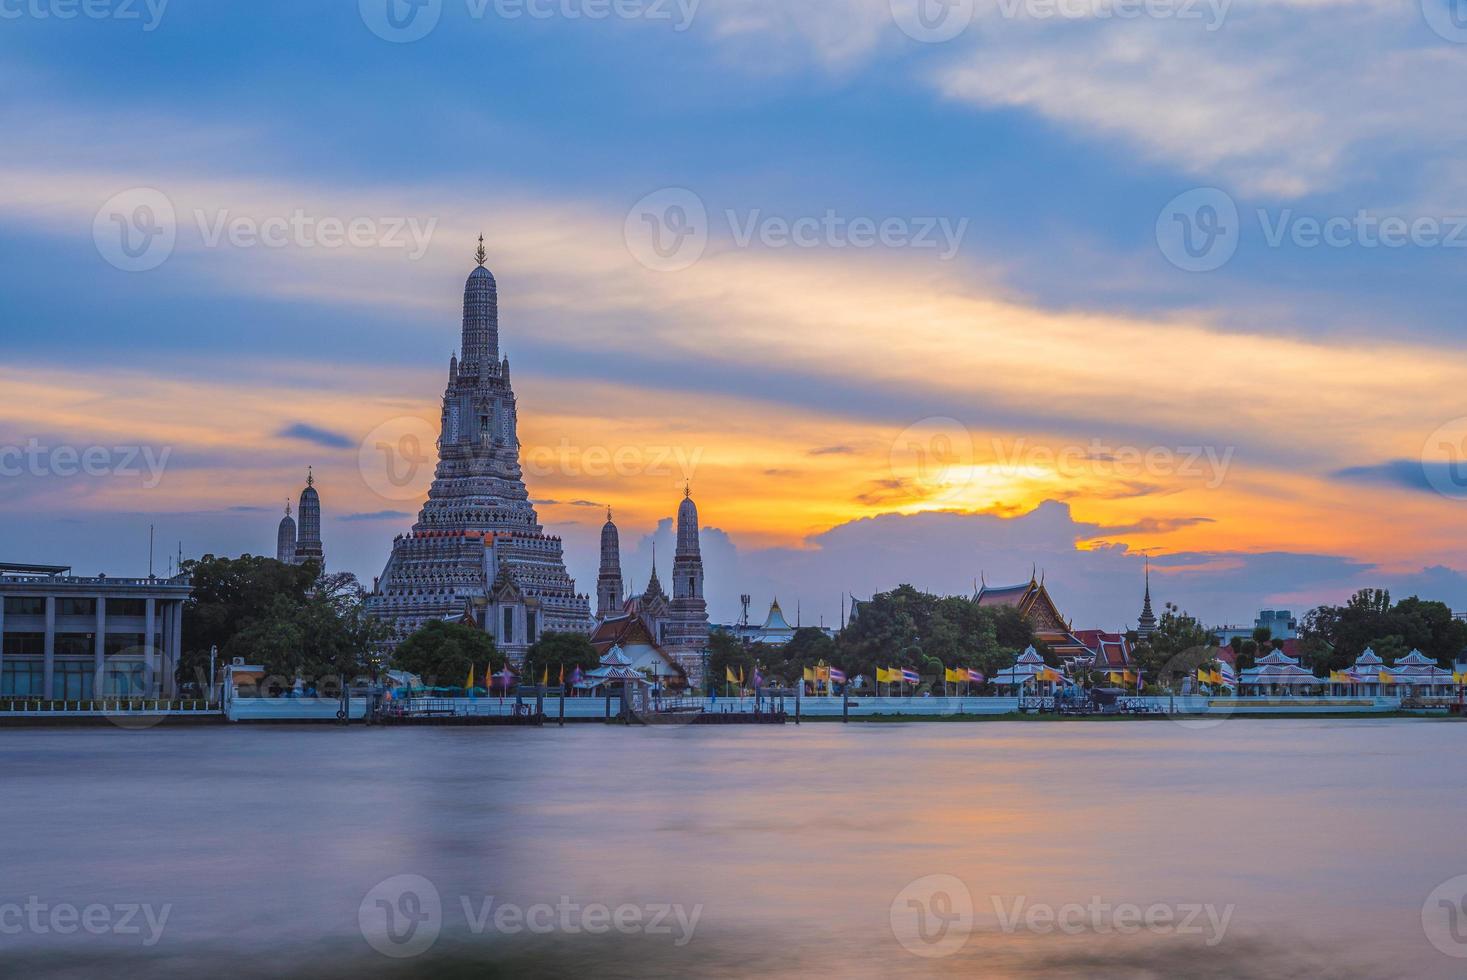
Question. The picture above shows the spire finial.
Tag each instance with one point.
(481, 255)
(310, 476)
(687, 488)
(287, 506)
(608, 513)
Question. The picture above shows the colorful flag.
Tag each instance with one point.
(809, 674)
(975, 676)
(1229, 676)
(758, 679)
(469, 684)
(910, 676)
(728, 675)
(576, 676)
(837, 675)
(562, 675)
(545, 676)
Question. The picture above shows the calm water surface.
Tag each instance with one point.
(266, 844)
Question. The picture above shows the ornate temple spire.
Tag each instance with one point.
(310, 476)
(1146, 623)
(609, 579)
(481, 318)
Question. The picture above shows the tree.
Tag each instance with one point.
(908, 628)
(726, 652)
(229, 596)
(1171, 650)
(1369, 619)
(442, 653)
(556, 650)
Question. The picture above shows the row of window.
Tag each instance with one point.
(70, 680)
(74, 644)
(508, 635)
(35, 605)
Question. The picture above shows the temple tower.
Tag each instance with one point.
(1146, 623)
(687, 629)
(285, 538)
(478, 551)
(609, 581)
(308, 543)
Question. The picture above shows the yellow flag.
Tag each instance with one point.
(1387, 678)
(883, 676)
(545, 676)
(809, 673)
(469, 684)
(728, 675)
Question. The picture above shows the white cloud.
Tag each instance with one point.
(1278, 99)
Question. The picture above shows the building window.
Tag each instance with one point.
(25, 644)
(71, 680)
(25, 605)
(529, 627)
(508, 636)
(127, 607)
(22, 678)
(117, 643)
(75, 644)
(76, 607)
(125, 680)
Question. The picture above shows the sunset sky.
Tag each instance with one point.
(1055, 390)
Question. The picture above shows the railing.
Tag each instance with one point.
(107, 705)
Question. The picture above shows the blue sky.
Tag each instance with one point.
(1059, 143)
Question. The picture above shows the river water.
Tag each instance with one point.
(1128, 848)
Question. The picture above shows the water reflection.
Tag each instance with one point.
(1323, 838)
